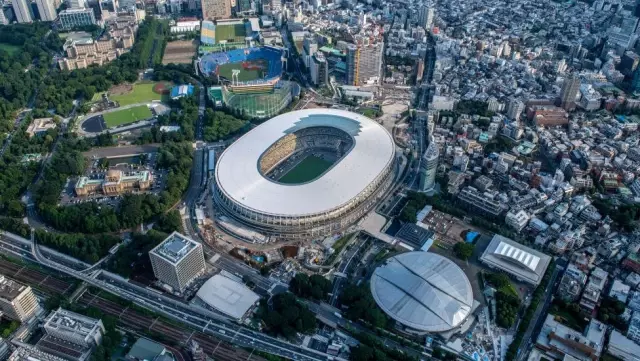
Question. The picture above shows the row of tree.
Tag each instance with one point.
(536, 298)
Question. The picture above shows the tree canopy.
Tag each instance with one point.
(286, 316)
(315, 287)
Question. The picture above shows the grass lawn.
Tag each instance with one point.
(11, 49)
(142, 92)
(127, 116)
(245, 75)
(228, 32)
(308, 169)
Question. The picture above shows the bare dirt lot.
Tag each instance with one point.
(179, 52)
(121, 89)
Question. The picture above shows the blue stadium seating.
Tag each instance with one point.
(209, 63)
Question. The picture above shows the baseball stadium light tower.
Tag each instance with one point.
(234, 74)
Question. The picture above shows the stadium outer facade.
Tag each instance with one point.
(319, 207)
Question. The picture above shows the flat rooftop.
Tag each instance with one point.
(66, 321)
(523, 262)
(10, 289)
(175, 247)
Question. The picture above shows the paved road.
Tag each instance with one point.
(540, 314)
(121, 150)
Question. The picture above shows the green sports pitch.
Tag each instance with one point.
(231, 33)
(226, 70)
(126, 116)
(307, 170)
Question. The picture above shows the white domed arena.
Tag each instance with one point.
(423, 291)
(305, 174)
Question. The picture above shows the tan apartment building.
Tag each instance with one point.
(17, 301)
(114, 183)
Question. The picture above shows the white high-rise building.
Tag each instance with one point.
(21, 10)
(17, 301)
(177, 261)
(3, 19)
(47, 10)
(429, 166)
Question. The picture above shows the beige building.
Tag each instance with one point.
(17, 301)
(216, 9)
(83, 52)
(40, 125)
(114, 183)
(177, 261)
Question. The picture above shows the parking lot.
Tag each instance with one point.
(129, 165)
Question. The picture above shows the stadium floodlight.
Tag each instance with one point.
(235, 73)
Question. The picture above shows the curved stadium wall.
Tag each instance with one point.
(314, 223)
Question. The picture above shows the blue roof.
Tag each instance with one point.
(181, 90)
(471, 236)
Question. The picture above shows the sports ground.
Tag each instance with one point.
(139, 93)
(231, 33)
(127, 116)
(225, 70)
(307, 170)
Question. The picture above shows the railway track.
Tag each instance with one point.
(127, 317)
(40, 280)
(215, 348)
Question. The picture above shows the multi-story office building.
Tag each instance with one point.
(76, 4)
(514, 109)
(517, 219)
(72, 18)
(483, 203)
(244, 6)
(560, 342)
(74, 328)
(426, 17)
(429, 166)
(21, 11)
(364, 61)
(17, 301)
(633, 332)
(177, 261)
(216, 9)
(47, 10)
(569, 92)
(319, 69)
(572, 283)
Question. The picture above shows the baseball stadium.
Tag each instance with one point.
(251, 80)
(292, 177)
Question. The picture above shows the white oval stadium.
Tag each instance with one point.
(306, 173)
(423, 291)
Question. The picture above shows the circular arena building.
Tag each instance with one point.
(423, 291)
(305, 174)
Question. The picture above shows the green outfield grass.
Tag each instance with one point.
(307, 170)
(127, 116)
(11, 49)
(245, 75)
(228, 32)
(142, 92)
